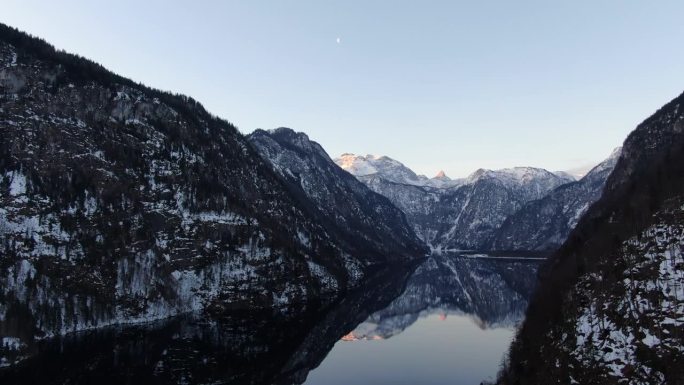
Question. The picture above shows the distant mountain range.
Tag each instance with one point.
(484, 210)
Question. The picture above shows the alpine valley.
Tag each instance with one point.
(145, 240)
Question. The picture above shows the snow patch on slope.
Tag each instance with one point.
(615, 332)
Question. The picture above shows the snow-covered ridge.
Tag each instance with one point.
(545, 223)
(395, 171)
(453, 213)
(357, 165)
(391, 170)
(517, 176)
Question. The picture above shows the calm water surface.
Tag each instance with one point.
(451, 325)
(434, 350)
(449, 321)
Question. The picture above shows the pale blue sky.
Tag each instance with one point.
(435, 84)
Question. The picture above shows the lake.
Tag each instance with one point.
(447, 321)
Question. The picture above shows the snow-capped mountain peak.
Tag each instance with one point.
(453, 213)
(518, 176)
(356, 165)
(383, 166)
(391, 170)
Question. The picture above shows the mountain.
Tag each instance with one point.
(363, 221)
(458, 214)
(390, 170)
(610, 305)
(545, 223)
(474, 211)
(121, 203)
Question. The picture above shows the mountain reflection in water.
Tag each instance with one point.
(493, 292)
(451, 325)
(283, 347)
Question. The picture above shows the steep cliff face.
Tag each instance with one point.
(366, 222)
(121, 204)
(453, 214)
(610, 307)
(545, 223)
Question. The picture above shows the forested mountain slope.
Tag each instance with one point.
(610, 306)
(121, 203)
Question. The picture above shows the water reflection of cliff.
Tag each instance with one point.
(279, 347)
(494, 292)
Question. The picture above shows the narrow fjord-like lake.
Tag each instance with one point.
(448, 321)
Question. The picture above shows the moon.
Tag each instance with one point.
(339, 40)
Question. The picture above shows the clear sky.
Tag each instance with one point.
(452, 85)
